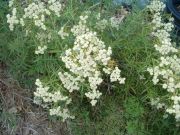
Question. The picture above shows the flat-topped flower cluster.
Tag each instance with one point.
(167, 70)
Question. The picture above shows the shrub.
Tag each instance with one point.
(77, 52)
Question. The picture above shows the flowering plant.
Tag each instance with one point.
(76, 54)
(87, 63)
(166, 71)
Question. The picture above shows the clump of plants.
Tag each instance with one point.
(166, 69)
(90, 61)
(86, 64)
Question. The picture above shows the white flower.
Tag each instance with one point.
(12, 19)
(115, 76)
(55, 6)
(84, 63)
(107, 70)
(36, 11)
(86, 60)
(115, 21)
(43, 37)
(93, 102)
(11, 2)
(98, 16)
(70, 83)
(42, 94)
(101, 24)
(62, 112)
(168, 68)
(21, 21)
(40, 50)
(93, 96)
(156, 6)
(81, 27)
(62, 33)
(165, 116)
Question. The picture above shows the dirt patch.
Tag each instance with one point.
(18, 114)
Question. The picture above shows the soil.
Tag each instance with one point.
(18, 114)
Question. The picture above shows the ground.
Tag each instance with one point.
(19, 114)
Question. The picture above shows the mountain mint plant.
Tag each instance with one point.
(166, 72)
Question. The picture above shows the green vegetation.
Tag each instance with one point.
(122, 109)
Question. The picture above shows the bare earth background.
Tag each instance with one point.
(20, 115)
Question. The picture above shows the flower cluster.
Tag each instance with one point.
(70, 82)
(37, 11)
(43, 37)
(85, 61)
(11, 2)
(55, 6)
(115, 76)
(42, 92)
(43, 40)
(62, 112)
(81, 27)
(167, 71)
(113, 22)
(116, 20)
(40, 50)
(156, 6)
(156, 102)
(12, 19)
(101, 24)
(93, 95)
(62, 34)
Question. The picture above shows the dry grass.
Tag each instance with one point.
(19, 116)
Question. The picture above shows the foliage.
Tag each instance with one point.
(124, 109)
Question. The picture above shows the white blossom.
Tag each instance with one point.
(21, 21)
(156, 102)
(62, 33)
(12, 19)
(42, 92)
(116, 21)
(115, 76)
(81, 27)
(43, 37)
(36, 11)
(55, 6)
(167, 70)
(156, 6)
(101, 24)
(11, 2)
(175, 109)
(70, 83)
(40, 50)
(62, 112)
(85, 60)
(93, 95)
